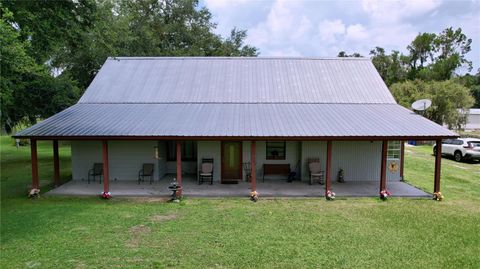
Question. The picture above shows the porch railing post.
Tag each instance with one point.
(56, 164)
(253, 166)
(105, 166)
(33, 152)
(383, 168)
(179, 165)
(438, 164)
(328, 168)
(402, 158)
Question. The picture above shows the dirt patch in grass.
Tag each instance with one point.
(139, 229)
(162, 218)
(136, 233)
(149, 199)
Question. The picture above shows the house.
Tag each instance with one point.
(269, 113)
(473, 120)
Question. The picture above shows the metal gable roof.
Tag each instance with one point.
(237, 80)
(237, 120)
(237, 97)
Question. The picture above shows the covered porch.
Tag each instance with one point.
(269, 188)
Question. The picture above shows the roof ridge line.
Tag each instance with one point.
(230, 103)
(118, 58)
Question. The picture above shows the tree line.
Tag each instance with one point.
(428, 70)
(51, 50)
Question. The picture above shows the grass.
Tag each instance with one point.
(59, 232)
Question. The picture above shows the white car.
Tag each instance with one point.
(461, 148)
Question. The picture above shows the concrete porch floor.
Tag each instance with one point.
(271, 188)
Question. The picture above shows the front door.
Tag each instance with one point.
(231, 161)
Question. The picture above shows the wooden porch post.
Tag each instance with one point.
(328, 168)
(438, 164)
(105, 166)
(179, 164)
(402, 158)
(253, 173)
(383, 169)
(56, 164)
(33, 152)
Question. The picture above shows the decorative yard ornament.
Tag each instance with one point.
(438, 196)
(254, 196)
(106, 195)
(393, 167)
(385, 194)
(176, 190)
(330, 195)
(34, 193)
(341, 176)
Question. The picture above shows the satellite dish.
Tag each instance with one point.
(422, 104)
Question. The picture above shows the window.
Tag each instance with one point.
(276, 150)
(393, 150)
(189, 151)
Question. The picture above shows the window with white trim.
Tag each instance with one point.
(394, 148)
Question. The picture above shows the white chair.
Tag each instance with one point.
(316, 173)
(206, 171)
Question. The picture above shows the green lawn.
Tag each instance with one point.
(54, 232)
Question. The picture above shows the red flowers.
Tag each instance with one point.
(106, 195)
(385, 194)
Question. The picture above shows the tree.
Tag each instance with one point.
(28, 90)
(52, 50)
(344, 54)
(149, 28)
(391, 67)
(449, 99)
(473, 83)
(50, 26)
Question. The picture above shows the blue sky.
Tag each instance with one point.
(323, 28)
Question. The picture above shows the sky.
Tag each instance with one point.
(324, 28)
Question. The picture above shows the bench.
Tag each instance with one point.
(276, 169)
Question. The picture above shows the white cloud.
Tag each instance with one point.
(223, 4)
(356, 32)
(394, 11)
(288, 52)
(323, 28)
(330, 29)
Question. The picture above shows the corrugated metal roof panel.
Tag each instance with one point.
(236, 120)
(237, 80)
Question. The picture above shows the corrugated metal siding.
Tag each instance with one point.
(84, 155)
(125, 158)
(162, 161)
(237, 80)
(258, 120)
(211, 149)
(293, 156)
(313, 149)
(360, 160)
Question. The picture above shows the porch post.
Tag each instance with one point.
(56, 164)
(105, 166)
(438, 164)
(33, 152)
(179, 164)
(253, 173)
(328, 168)
(383, 169)
(402, 157)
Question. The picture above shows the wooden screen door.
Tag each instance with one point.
(231, 161)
